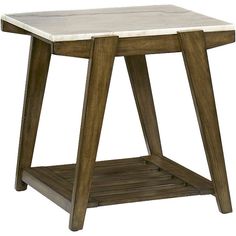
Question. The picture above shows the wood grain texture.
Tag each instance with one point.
(10, 28)
(141, 45)
(97, 86)
(139, 78)
(50, 185)
(39, 60)
(202, 184)
(193, 47)
(119, 181)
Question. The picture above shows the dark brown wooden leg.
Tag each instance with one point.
(39, 58)
(97, 86)
(196, 62)
(139, 78)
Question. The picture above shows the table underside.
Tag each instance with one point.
(120, 181)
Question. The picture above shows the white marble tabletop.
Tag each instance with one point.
(123, 22)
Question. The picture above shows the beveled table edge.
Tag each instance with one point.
(121, 34)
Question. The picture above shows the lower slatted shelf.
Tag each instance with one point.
(114, 181)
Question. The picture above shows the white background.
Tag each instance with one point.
(29, 213)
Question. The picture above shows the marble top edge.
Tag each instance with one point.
(27, 28)
(122, 34)
(80, 32)
(113, 10)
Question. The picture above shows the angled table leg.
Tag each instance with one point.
(139, 78)
(97, 86)
(196, 62)
(39, 59)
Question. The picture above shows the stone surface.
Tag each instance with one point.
(124, 22)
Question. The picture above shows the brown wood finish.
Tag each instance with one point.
(119, 181)
(139, 78)
(39, 60)
(190, 177)
(193, 46)
(141, 45)
(10, 28)
(51, 186)
(97, 86)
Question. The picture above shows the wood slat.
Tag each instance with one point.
(133, 176)
(135, 184)
(140, 187)
(147, 195)
(133, 179)
(131, 170)
(112, 170)
(124, 169)
(202, 184)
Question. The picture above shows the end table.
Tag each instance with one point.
(101, 35)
